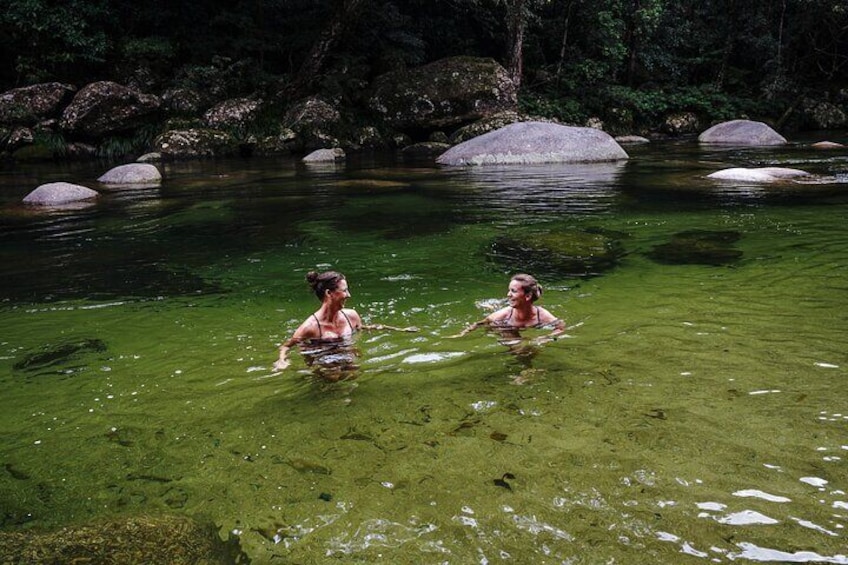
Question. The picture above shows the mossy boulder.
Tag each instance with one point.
(31, 104)
(566, 253)
(166, 540)
(445, 93)
(195, 143)
(698, 247)
(103, 108)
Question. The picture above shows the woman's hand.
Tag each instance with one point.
(281, 364)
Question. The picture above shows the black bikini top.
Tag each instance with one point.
(321, 333)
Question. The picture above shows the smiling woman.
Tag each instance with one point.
(326, 334)
(523, 291)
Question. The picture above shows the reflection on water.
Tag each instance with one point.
(695, 414)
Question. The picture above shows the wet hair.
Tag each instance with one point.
(322, 282)
(529, 284)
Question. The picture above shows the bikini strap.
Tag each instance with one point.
(538, 317)
(348, 321)
(508, 318)
(320, 333)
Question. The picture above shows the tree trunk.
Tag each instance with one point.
(516, 23)
(564, 44)
(313, 63)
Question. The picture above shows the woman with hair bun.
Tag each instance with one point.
(521, 312)
(328, 331)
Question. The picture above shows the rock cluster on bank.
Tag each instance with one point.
(449, 101)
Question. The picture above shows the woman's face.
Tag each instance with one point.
(515, 295)
(340, 294)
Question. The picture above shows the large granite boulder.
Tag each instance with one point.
(59, 194)
(446, 93)
(132, 174)
(31, 104)
(128, 541)
(762, 174)
(742, 132)
(535, 142)
(195, 143)
(103, 108)
(233, 113)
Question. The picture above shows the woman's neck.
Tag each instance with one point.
(525, 312)
(329, 312)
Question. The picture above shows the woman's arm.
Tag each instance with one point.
(356, 321)
(471, 327)
(306, 330)
(548, 319)
(283, 361)
(385, 327)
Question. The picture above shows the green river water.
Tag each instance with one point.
(697, 413)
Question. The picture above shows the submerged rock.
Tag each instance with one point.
(125, 541)
(763, 174)
(59, 354)
(742, 132)
(827, 145)
(698, 247)
(632, 139)
(59, 193)
(132, 174)
(570, 253)
(535, 142)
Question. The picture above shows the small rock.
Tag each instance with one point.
(325, 155)
(133, 174)
(763, 174)
(59, 193)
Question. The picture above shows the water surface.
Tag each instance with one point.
(697, 412)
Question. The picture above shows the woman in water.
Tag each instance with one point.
(521, 312)
(325, 336)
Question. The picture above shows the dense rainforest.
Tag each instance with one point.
(572, 59)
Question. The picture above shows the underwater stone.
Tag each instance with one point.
(129, 541)
(579, 253)
(59, 354)
(698, 247)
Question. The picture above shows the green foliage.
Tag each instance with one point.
(133, 145)
(45, 37)
(566, 110)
